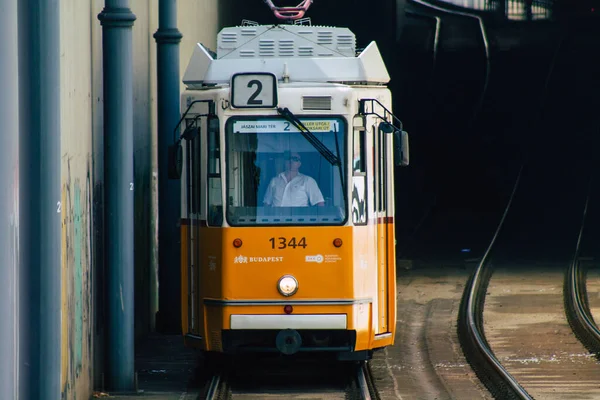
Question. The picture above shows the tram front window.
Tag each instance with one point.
(276, 176)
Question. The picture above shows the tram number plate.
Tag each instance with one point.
(254, 90)
(282, 242)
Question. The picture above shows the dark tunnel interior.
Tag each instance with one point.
(484, 103)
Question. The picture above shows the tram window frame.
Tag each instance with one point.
(383, 181)
(379, 168)
(359, 174)
(214, 179)
(194, 148)
(359, 137)
(334, 215)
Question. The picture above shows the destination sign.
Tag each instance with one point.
(281, 126)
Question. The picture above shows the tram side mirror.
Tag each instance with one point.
(176, 152)
(401, 148)
(386, 127)
(191, 133)
(175, 161)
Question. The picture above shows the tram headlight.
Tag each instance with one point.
(287, 285)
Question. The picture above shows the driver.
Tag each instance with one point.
(291, 188)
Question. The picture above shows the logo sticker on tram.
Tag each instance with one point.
(316, 258)
(240, 260)
(247, 260)
(331, 258)
(319, 258)
(212, 263)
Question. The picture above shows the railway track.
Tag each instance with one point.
(291, 378)
(478, 352)
(426, 361)
(526, 348)
(526, 304)
(577, 306)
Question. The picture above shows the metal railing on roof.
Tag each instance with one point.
(512, 9)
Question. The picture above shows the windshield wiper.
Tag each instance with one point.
(309, 136)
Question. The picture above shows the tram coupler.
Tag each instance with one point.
(288, 341)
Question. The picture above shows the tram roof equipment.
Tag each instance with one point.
(293, 53)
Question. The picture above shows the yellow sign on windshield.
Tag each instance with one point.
(318, 126)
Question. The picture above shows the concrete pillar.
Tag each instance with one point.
(117, 22)
(39, 199)
(9, 197)
(169, 193)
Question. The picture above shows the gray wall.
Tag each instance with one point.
(82, 173)
(9, 200)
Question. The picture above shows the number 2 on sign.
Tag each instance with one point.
(252, 100)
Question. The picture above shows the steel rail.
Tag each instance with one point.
(213, 392)
(364, 386)
(484, 36)
(580, 308)
(436, 36)
(576, 308)
(362, 382)
(473, 322)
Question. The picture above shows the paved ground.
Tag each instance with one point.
(426, 361)
(526, 327)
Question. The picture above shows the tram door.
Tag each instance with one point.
(380, 168)
(193, 179)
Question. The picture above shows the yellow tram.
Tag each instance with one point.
(286, 166)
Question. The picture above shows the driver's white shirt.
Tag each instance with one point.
(298, 192)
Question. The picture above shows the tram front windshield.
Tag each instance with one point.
(276, 176)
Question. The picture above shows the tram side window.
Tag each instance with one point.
(358, 161)
(215, 201)
(379, 169)
(384, 169)
(379, 158)
(193, 154)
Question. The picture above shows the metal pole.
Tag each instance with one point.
(39, 199)
(9, 185)
(169, 197)
(528, 5)
(502, 9)
(117, 22)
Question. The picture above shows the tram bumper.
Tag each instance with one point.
(288, 334)
(303, 321)
(341, 329)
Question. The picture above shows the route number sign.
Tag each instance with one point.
(254, 90)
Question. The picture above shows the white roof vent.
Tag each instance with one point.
(307, 53)
(285, 41)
